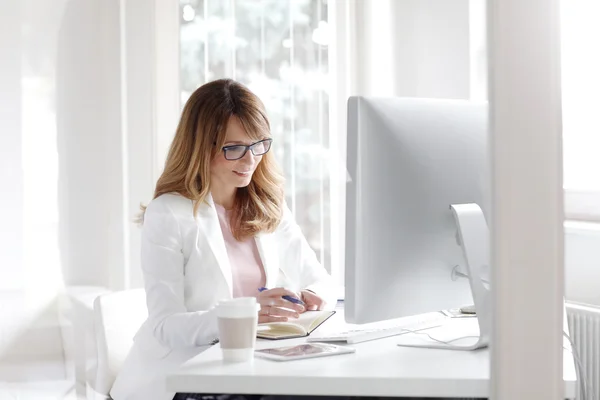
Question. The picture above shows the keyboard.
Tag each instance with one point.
(358, 334)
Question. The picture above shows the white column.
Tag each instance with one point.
(88, 139)
(150, 75)
(167, 84)
(527, 232)
(344, 68)
(138, 70)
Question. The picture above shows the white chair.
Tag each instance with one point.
(117, 317)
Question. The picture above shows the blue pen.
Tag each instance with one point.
(286, 297)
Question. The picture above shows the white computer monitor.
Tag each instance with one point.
(408, 160)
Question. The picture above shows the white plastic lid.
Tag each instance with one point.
(240, 307)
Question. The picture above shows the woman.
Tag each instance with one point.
(217, 228)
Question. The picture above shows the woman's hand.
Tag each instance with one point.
(311, 301)
(274, 308)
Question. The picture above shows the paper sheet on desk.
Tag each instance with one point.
(458, 331)
(338, 323)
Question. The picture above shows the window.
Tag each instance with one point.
(580, 66)
(581, 107)
(279, 49)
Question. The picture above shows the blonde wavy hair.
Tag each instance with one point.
(200, 137)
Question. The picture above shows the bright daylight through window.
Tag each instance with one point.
(580, 56)
(580, 85)
(278, 49)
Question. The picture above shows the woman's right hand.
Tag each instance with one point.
(274, 308)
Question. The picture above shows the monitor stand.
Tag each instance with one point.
(463, 333)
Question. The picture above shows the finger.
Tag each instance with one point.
(279, 311)
(283, 303)
(271, 318)
(311, 297)
(313, 301)
(278, 301)
(320, 303)
(278, 292)
(283, 312)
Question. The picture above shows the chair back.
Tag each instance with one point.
(117, 318)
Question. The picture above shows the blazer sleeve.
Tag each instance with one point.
(163, 270)
(299, 261)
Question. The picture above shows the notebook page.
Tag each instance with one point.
(309, 320)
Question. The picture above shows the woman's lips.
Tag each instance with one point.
(242, 173)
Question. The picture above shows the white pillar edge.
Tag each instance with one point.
(527, 222)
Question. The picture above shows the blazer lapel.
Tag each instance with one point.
(209, 223)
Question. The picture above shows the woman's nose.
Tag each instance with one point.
(248, 156)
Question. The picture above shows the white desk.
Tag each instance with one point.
(378, 368)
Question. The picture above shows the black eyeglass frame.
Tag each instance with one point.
(247, 147)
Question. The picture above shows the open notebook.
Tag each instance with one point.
(303, 326)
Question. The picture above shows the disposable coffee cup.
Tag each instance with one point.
(237, 320)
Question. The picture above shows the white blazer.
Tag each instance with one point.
(186, 272)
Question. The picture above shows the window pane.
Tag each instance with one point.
(192, 36)
(580, 66)
(580, 31)
(278, 48)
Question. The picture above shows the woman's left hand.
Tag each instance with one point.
(312, 301)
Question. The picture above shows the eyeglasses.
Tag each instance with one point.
(237, 151)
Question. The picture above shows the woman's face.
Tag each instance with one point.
(232, 174)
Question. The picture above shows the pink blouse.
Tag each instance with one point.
(246, 266)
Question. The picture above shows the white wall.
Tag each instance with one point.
(61, 140)
(582, 262)
(413, 48)
(11, 171)
(61, 205)
(78, 144)
(28, 202)
(431, 48)
(74, 165)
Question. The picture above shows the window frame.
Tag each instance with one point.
(582, 205)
